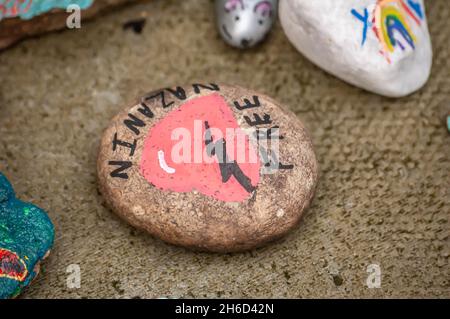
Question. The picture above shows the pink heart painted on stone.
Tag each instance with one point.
(200, 126)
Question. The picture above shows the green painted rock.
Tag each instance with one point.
(26, 237)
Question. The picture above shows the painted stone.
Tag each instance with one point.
(448, 122)
(382, 46)
(20, 19)
(27, 9)
(245, 23)
(26, 237)
(444, 113)
(209, 167)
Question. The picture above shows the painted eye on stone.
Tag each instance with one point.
(236, 18)
(261, 22)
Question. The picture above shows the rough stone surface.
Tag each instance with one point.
(383, 194)
(380, 45)
(179, 193)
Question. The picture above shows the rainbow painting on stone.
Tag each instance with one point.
(390, 22)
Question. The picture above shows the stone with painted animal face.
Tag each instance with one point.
(207, 166)
(245, 23)
(382, 46)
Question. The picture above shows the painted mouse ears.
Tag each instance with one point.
(265, 8)
(232, 5)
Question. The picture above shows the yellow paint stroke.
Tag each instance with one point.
(23, 275)
(383, 9)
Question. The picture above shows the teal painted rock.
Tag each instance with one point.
(30, 8)
(26, 237)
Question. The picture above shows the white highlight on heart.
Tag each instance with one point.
(163, 164)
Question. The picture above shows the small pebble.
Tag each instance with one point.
(245, 23)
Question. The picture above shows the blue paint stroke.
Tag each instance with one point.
(416, 7)
(394, 24)
(364, 19)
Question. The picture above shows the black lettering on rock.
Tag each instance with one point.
(258, 120)
(150, 96)
(145, 110)
(285, 166)
(179, 92)
(119, 172)
(212, 87)
(160, 95)
(227, 168)
(248, 104)
(131, 146)
(133, 123)
(268, 133)
(271, 161)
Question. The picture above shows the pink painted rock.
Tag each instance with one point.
(210, 167)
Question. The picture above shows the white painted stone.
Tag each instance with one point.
(331, 36)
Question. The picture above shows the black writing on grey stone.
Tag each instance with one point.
(119, 172)
(212, 87)
(247, 104)
(258, 120)
(116, 142)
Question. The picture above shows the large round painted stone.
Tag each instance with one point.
(26, 237)
(207, 166)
